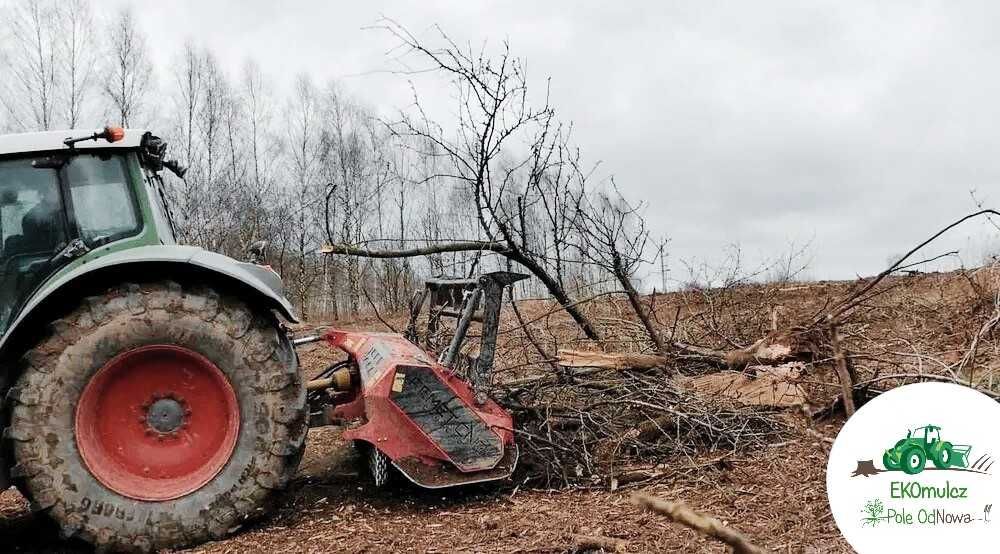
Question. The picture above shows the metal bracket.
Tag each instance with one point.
(461, 299)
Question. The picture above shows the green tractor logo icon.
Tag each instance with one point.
(922, 445)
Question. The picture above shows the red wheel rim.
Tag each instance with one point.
(157, 422)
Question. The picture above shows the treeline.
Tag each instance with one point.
(303, 165)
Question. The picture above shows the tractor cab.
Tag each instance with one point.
(56, 205)
(928, 434)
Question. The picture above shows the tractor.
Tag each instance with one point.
(911, 454)
(151, 392)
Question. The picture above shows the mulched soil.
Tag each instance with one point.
(776, 496)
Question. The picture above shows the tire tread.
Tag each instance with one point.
(278, 395)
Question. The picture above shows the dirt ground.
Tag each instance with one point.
(776, 496)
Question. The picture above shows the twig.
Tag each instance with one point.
(816, 434)
(584, 543)
(560, 308)
(852, 301)
(375, 309)
(706, 525)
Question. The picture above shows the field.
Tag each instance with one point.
(776, 496)
(917, 327)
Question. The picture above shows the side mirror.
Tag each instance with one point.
(153, 151)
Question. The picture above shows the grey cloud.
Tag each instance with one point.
(861, 124)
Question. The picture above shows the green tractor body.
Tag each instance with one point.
(922, 445)
(67, 212)
(149, 395)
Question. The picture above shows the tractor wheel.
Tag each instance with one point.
(942, 455)
(913, 460)
(888, 462)
(154, 417)
(377, 465)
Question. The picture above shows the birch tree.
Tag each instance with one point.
(129, 72)
(29, 86)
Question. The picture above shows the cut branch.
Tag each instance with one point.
(846, 383)
(852, 301)
(706, 525)
(511, 254)
(462, 246)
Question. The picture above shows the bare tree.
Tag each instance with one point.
(262, 154)
(129, 74)
(303, 139)
(75, 42)
(29, 94)
(189, 78)
(493, 111)
(613, 236)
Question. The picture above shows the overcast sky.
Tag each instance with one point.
(861, 126)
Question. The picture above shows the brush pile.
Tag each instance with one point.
(600, 427)
(602, 416)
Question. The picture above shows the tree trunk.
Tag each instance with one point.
(633, 299)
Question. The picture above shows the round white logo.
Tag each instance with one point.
(913, 471)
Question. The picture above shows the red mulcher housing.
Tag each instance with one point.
(416, 413)
(422, 416)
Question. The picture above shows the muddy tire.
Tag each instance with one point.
(110, 415)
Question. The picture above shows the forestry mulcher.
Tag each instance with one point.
(151, 396)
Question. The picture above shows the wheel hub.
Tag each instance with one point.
(166, 415)
(157, 422)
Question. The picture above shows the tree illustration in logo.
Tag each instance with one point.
(873, 510)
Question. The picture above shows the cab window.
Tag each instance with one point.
(102, 202)
(933, 435)
(32, 229)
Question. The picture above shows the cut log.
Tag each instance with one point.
(778, 347)
(605, 360)
(772, 386)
